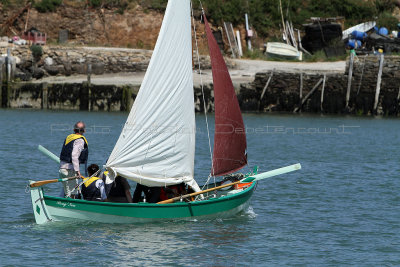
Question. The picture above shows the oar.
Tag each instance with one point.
(40, 183)
(48, 153)
(256, 177)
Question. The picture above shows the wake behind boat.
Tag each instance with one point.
(156, 147)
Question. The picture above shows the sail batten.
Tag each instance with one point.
(157, 144)
(229, 154)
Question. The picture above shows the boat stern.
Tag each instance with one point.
(40, 210)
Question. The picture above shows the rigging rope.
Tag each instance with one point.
(202, 87)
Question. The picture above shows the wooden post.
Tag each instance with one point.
(45, 90)
(301, 88)
(398, 95)
(266, 85)
(265, 89)
(379, 81)
(89, 74)
(349, 79)
(322, 92)
(308, 95)
(229, 41)
(362, 74)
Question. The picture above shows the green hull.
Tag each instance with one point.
(48, 208)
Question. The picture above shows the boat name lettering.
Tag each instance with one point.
(65, 204)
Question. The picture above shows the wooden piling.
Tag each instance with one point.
(301, 88)
(89, 79)
(45, 94)
(398, 95)
(322, 92)
(362, 74)
(378, 83)
(349, 79)
(308, 95)
(266, 85)
(8, 62)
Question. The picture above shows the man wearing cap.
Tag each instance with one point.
(74, 152)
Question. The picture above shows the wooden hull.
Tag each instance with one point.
(48, 208)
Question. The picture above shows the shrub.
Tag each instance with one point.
(47, 5)
(37, 51)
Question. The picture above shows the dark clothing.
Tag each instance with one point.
(117, 191)
(90, 191)
(68, 145)
(152, 194)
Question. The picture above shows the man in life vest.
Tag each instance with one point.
(93, 188)
(74, 152)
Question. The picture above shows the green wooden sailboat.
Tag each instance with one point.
(157, 144)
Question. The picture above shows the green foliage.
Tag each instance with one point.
(387, 20)
(47, 5)
(37, 51)
(316, 57)
(95, 3)
(159, 5)
(255, 54)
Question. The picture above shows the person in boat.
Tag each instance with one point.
(150, 194)
(119, 191)
(93, 188)
(173, 191)
(74, 152)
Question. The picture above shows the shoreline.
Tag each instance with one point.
(243, 72)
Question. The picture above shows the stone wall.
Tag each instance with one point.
(72, 96)
(58, 60)
(281, 95)
(283, 92)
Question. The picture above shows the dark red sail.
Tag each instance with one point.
(229, 153)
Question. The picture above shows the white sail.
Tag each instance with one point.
(157, 144)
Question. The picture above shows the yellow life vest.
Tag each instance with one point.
(91, 180)
(73, 137)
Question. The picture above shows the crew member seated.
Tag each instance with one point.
(120, 191)
(93, 188)
(151, 194)
(172, 191)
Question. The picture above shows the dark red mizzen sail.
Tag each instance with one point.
(229, 153)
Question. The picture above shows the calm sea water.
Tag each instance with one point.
(342, 208)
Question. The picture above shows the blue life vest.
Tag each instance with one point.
(68, 145)
(90, 191)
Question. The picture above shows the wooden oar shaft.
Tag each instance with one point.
(172, 200)
(256, 177)
(40, 183)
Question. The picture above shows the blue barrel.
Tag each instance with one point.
(354, 44)
(383, 31)
(358, 35)
(376, 29)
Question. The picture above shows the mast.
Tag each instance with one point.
(229, 153)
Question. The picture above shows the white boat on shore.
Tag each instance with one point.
(282, 50)
(362, 27)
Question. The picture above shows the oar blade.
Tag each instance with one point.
(48, 154)
(265, 175)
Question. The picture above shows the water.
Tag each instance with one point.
(342, 208)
